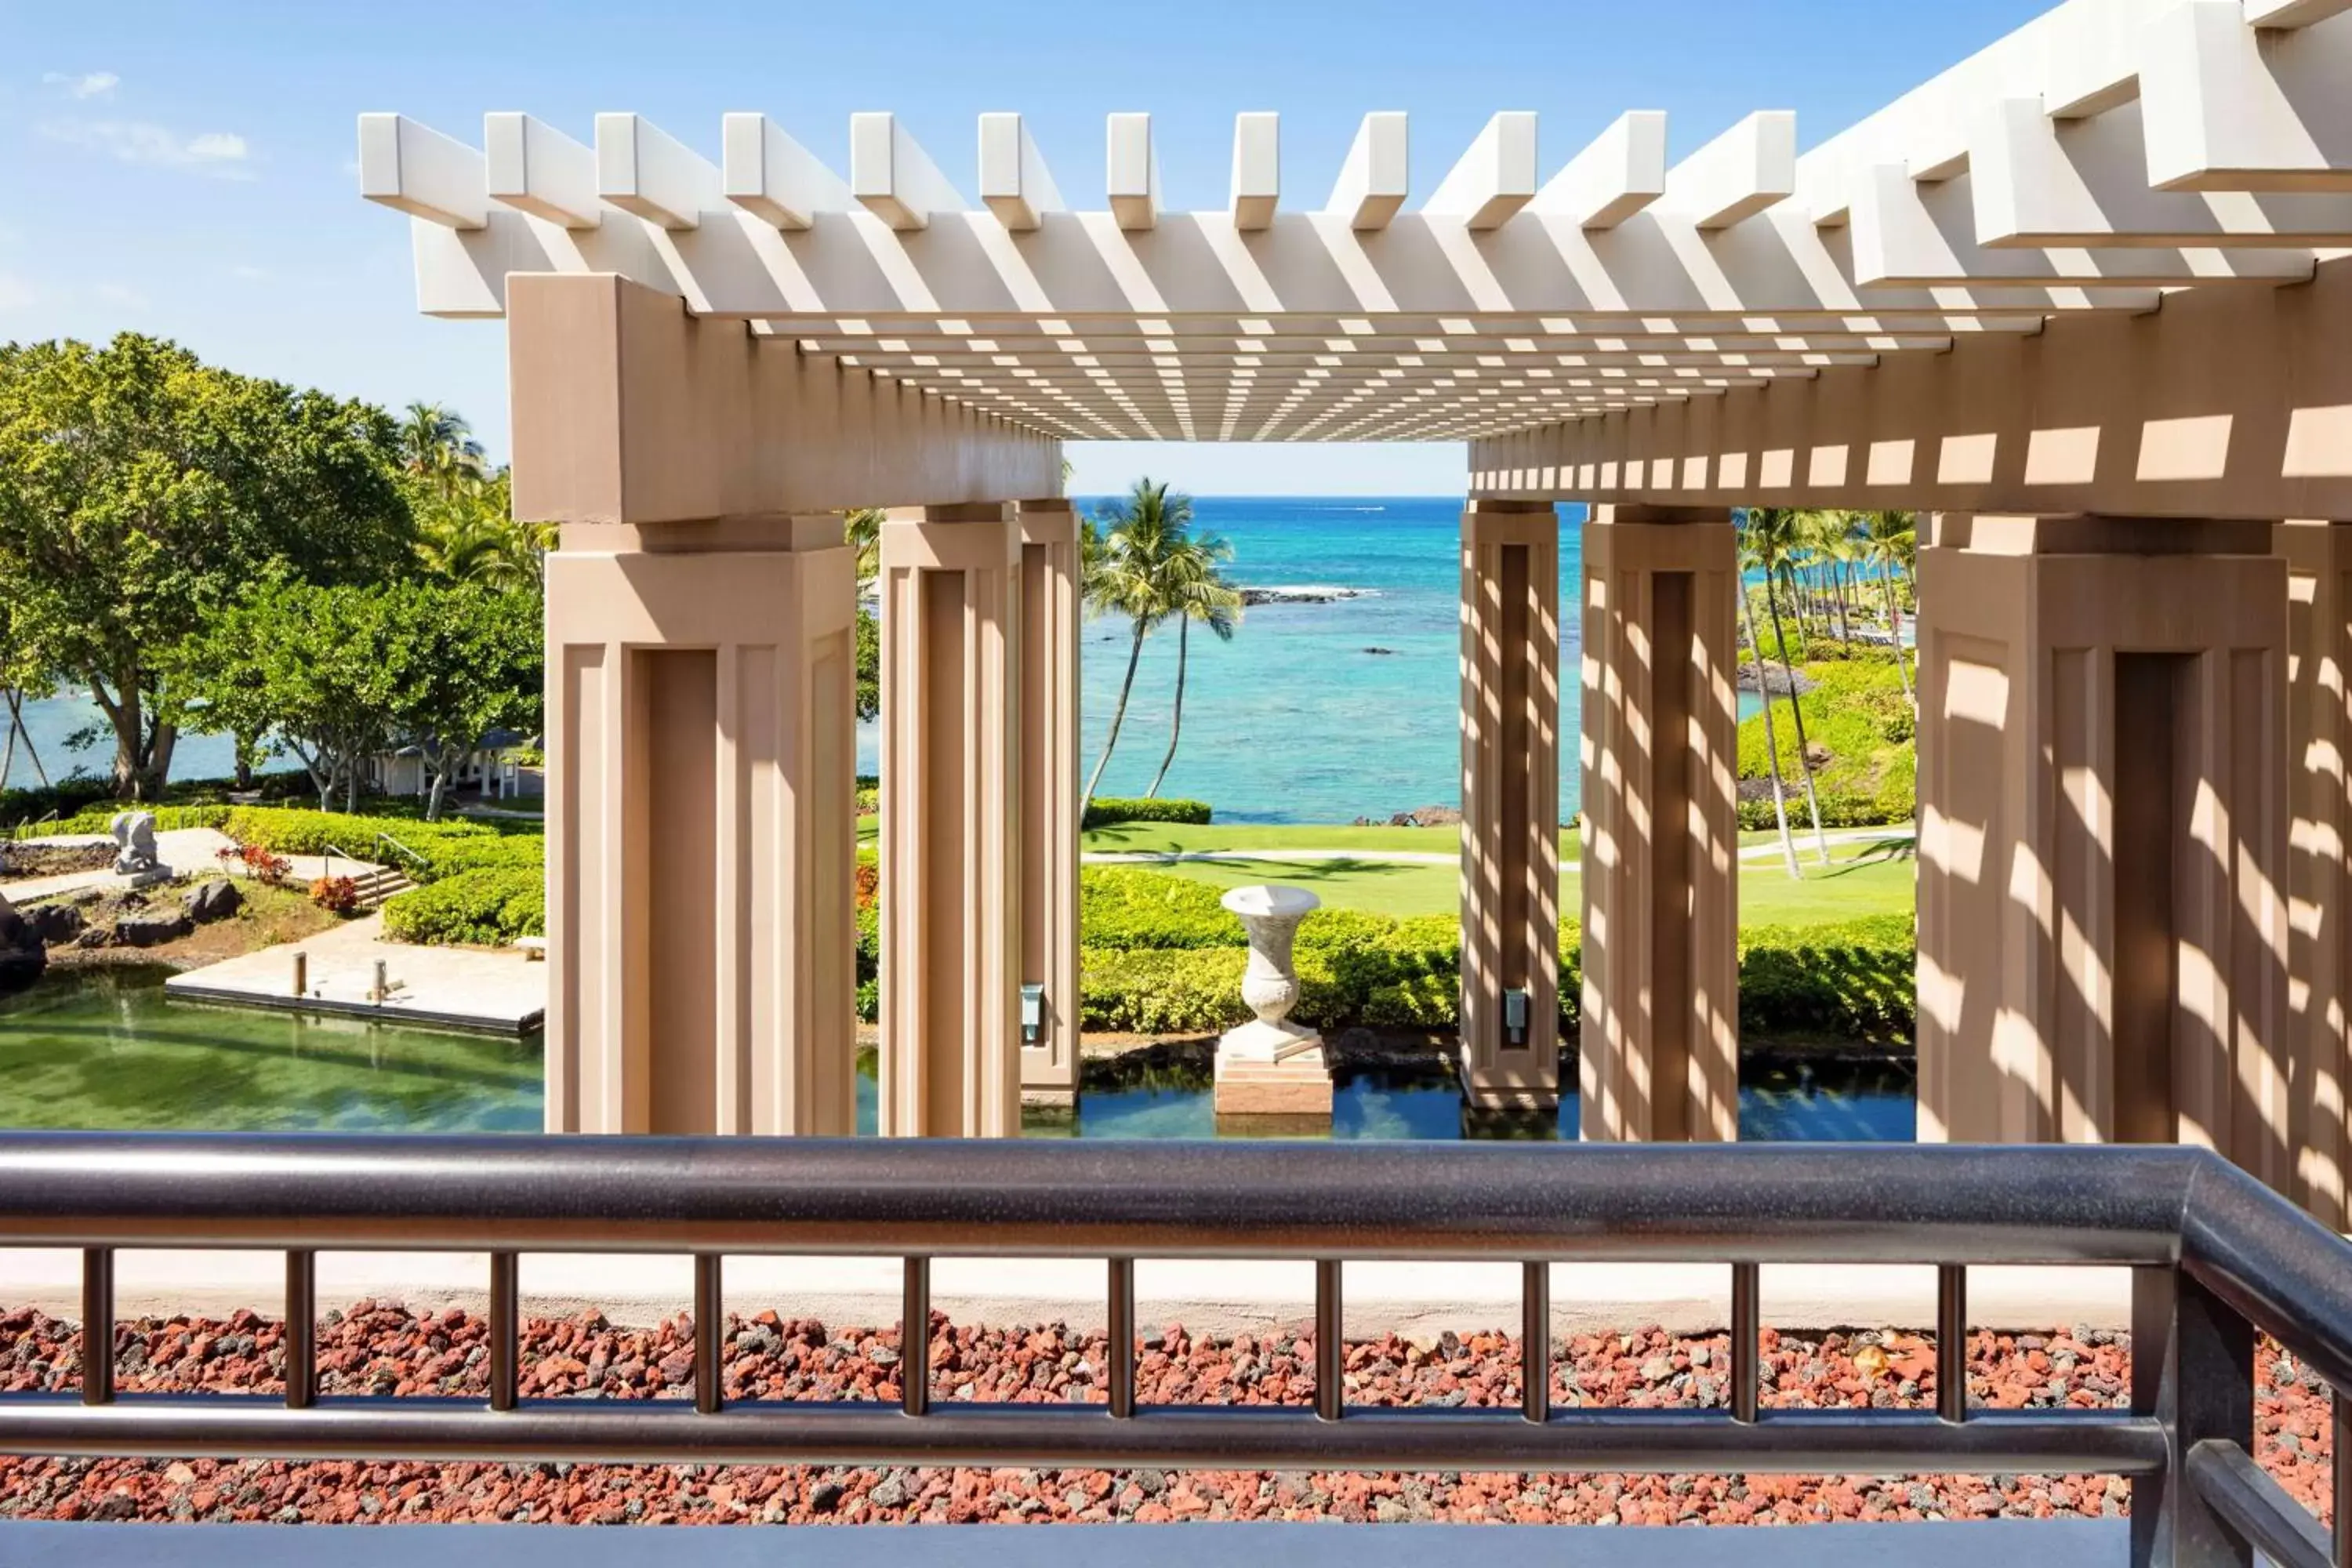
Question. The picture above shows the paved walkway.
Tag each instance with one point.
(460, 987)
(189, 852)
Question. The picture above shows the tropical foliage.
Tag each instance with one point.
(1151, 567)
(141, 491)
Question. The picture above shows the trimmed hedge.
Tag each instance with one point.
(489, 908)
(1854, 980)
(1104, 810)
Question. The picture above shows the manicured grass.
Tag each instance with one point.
(1862, 879)
(1865, 877)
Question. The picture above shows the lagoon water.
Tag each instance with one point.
(1297, 719)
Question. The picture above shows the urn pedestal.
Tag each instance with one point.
(1270, 1067)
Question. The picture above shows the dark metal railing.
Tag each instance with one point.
(2215, 1257)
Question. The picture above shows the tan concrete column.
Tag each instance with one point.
(1658, 1050)
(700, 724)
(2102, 789)
(2319, 869)
(1510, 802)
(950, 850)
(1049, 797)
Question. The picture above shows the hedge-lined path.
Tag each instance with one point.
(502, 991)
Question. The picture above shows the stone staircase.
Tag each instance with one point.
(379, 883)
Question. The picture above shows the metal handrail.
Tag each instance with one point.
(405, 849)
(2214, 1256)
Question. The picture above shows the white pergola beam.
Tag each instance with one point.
(1257, 169)
(1376, 178)
(891, 176)
(1133, 174)
(2083, 184)
(1495, 178)
(1740, 174)
(536, 169)
(413, 169)
(2290, 13)
(642, 169)
(2218, 112)
(770, 176)
(1014, 183)
(1620, 171)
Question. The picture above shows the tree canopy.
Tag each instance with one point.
(141, 491)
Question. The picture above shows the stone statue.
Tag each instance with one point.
(135, 848)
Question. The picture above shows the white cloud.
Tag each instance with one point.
(14, 292)
(216, 153)
(91, 84)
(120, 295)
(246, 272)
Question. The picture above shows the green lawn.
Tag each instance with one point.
(1864, 878)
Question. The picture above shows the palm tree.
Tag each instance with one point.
(1771, 746)
(437, 445)
(1143, 535)
(1203, 596)
(1829, 535)
(1769, 539)
(1890, 541)
(864, 533)
(466, 533)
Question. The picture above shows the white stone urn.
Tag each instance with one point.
(1270, 982)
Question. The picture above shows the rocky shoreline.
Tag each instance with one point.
(380, 1348)
(1305, 594)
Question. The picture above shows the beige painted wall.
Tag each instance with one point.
(702, 753)
(628, 409)
(1510, 801)
(2225, 402)
(1659, 1039)
(950, 847)
(2103, 845)
(1050, 613)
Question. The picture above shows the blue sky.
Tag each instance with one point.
(187, 168)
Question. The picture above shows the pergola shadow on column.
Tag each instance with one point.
(2077, 297)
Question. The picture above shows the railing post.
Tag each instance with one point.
(2192, 1368)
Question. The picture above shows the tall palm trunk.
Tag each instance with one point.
(1117, 717)
(1176, 720)
(1771, 747)
(1797, 715)
(1894, 630)
(1844, 614)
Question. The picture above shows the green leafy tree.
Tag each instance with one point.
(475, 661)
(142, 490)
(466, 532)
(323, 667)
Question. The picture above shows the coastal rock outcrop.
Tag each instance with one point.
(1777, 681)
(23, 956)
(1305, 594)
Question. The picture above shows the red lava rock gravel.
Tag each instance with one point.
(382, 1349)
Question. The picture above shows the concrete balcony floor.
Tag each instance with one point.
(2013, 1544)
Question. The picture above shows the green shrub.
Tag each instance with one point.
(1103, 811)
(1160, 991)
(1853, 980)
(488, 908)
(1127, 907)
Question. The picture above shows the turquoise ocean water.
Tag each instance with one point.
(1294, 721)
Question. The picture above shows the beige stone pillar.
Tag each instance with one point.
(1049, 797)
(2102, 789)
(700, 713)
(1658, 1051)
(1510, 802)
(950, 852)
(2319, 869)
